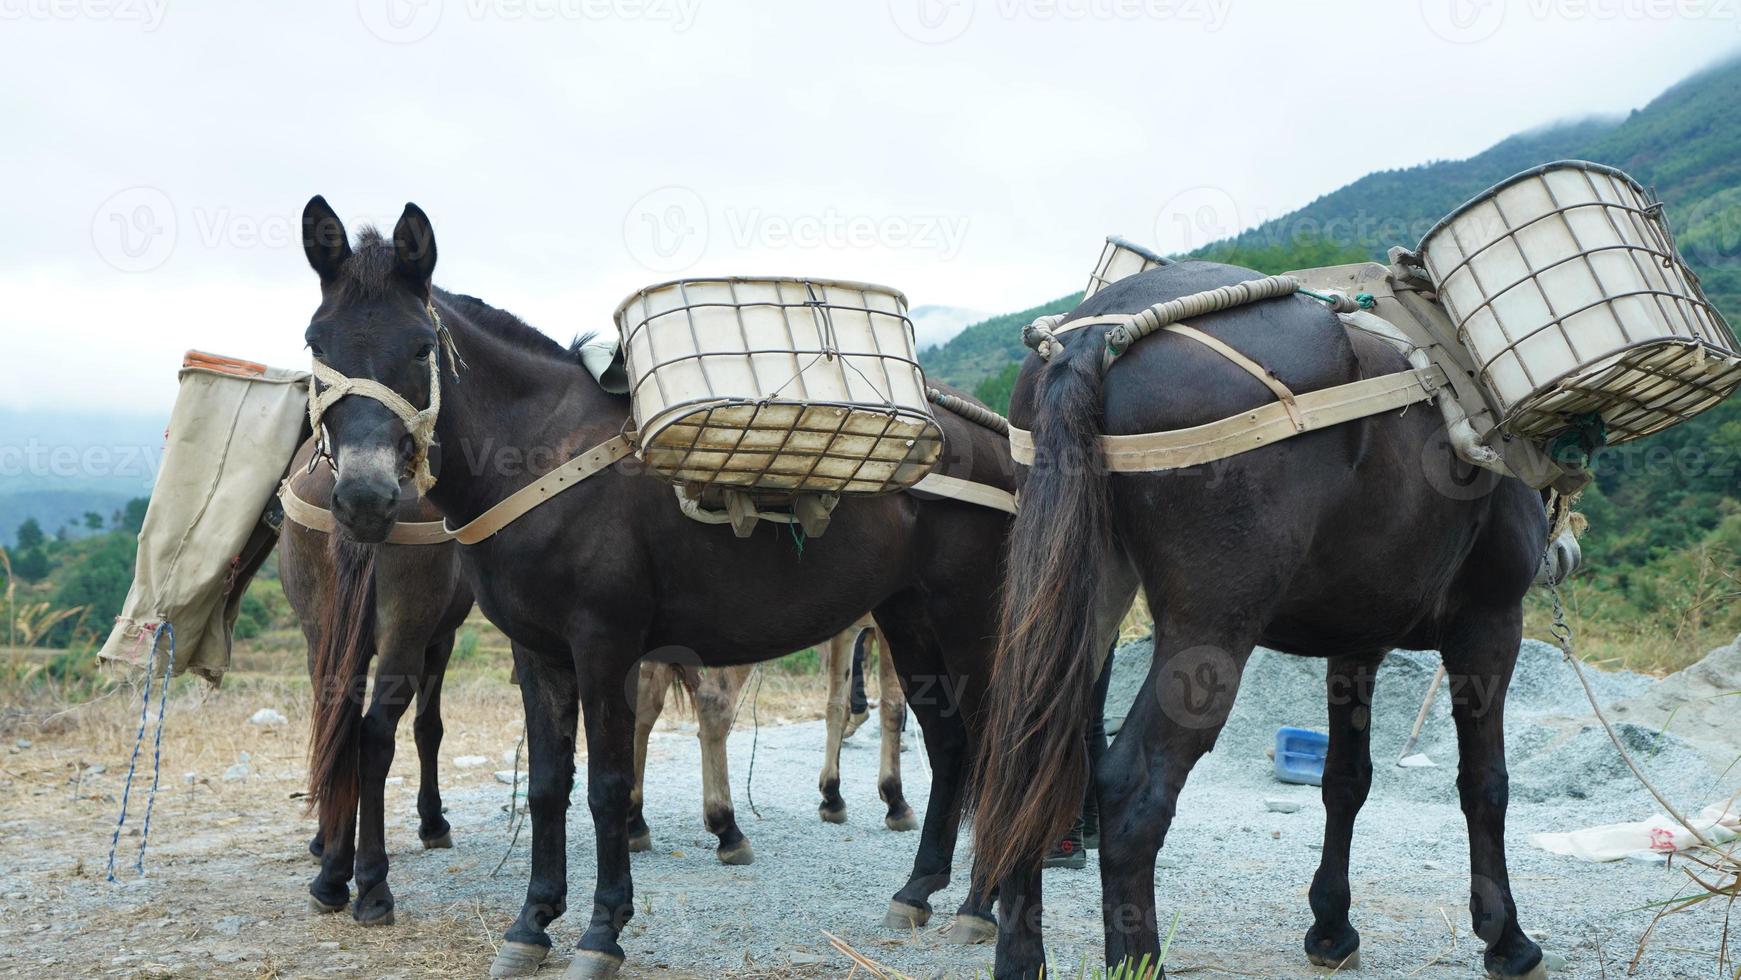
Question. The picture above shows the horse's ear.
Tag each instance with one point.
(414, 244)
(323, 239)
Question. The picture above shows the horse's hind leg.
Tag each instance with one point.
(1332, 941)
(1189, 691)
(892, 717)
(836, 657)
(716, 699)
(426, 729)
(1480, 651)
(654, 682)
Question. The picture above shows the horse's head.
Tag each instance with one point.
(377, 353)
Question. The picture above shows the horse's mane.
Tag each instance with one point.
(369, 273)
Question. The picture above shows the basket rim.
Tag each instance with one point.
(861, 286)
(1147, 253)
(1520, 177)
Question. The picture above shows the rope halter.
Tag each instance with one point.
(419, 423)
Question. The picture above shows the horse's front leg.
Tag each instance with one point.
(398, 672)
(549, 693)
(716, 701)
(432, 827)
(836, 657)
(655, 680)
(601, 663)
(891, 718)
(1480, 652)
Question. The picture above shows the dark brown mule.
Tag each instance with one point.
(611, 572)
(407, 613)
(1342, 543)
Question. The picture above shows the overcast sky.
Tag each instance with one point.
(157, 153)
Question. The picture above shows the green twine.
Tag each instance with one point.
(1575, 446)
(797, 537)
(1365, 301)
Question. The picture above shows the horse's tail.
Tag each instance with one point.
(340, 679)
(1032, 762)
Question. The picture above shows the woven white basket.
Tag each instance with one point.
(1119, 260)
(775, 384)
(1567, 290)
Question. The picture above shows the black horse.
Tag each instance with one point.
(416, 603)
(1341, 543)
(611, 572)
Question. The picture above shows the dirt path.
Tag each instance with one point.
(226, 870)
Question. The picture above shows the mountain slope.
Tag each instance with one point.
(1686, 145)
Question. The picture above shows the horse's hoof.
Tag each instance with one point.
(1537, 972)
(318, 906)
(901, 822)
(740, 854)
(444, 840)
(835, 815)
(970, 930)
(592, 965)
(1350, 962)
(640, 842)
(518, 959)
(906, 917)
(374, 906)
(373, 919)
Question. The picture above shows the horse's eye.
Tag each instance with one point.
(316, 351)
(424, 352)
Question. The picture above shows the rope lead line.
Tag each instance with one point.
(139, 743)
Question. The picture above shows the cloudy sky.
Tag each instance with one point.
(157, 153)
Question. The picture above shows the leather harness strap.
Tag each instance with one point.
(1153, 452)
(514, 506)
(1282, 392)
(967, 492)
(318, 518)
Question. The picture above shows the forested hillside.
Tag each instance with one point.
(1664, 545)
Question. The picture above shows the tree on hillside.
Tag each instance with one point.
(134, 518)
(30, 535)
(93, 520)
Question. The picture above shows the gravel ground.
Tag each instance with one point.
(225, 893)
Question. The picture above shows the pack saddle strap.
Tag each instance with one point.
(1152, 452)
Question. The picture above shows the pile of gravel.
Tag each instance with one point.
(1555, 748)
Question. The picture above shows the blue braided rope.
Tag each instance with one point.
(157, 749)
(138, 742)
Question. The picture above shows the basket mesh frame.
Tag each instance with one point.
(1683, 381)
(722, 440)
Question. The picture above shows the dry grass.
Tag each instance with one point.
(235, 847)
